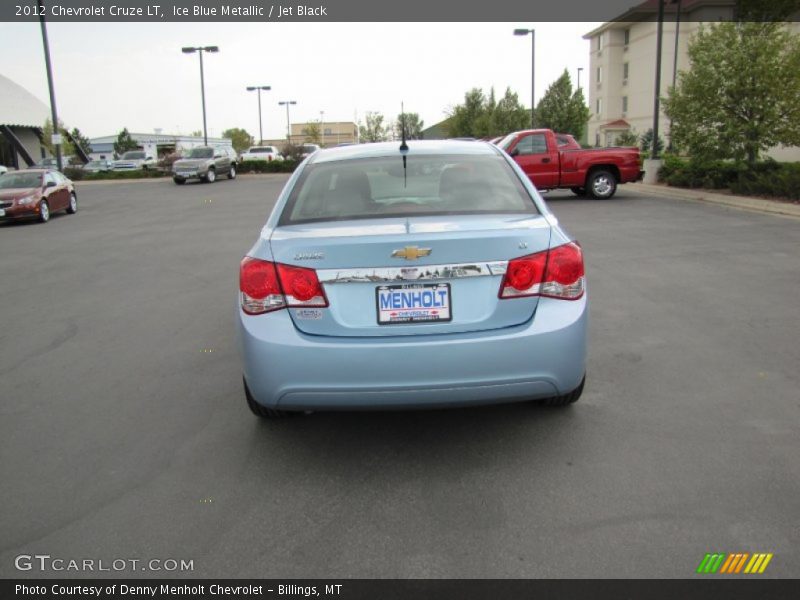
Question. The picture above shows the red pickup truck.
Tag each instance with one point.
(551, 163)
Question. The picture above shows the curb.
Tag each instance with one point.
(772, 207)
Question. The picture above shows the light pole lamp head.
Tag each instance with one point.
(188, 50)
(211, 49)
(522, 31)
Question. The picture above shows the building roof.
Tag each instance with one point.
(19, 107)
(648, 10)
(618, 124)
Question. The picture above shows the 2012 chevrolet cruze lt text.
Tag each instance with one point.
(425, 274)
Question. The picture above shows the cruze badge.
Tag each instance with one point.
(309, 256)
(411, 252)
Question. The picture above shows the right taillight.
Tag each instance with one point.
(557, 273)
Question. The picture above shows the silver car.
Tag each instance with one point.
(205, 163)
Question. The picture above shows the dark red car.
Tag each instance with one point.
(36, 193)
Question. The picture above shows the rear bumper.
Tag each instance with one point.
(285, 368)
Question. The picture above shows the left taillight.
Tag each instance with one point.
(258, 286)
(555, 273)
(266, 286)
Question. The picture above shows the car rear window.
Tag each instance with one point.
(429, 185)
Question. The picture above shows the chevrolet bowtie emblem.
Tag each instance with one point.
(411, 253)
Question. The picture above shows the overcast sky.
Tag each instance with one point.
(109, 76)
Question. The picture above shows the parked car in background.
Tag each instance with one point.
(205, 163)
(36, 193)
(134, 160)
(3, 170)
(98, 166)
(373, 285)
(308, 149)
(595, 172)
(267, 153)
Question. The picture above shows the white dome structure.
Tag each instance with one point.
(22, 116)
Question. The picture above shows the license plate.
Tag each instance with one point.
(413, 303)
(2, 212)
(187, 173)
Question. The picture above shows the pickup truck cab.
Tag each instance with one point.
(553, 165)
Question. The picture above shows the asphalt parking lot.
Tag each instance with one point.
(124, 431)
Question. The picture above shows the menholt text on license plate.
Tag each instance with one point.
(413, 303)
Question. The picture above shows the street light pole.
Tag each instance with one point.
(321, 128)
(200, 50)
(288, 130)
(49, 68)
(533, 71)
(657, 99)
(675, 63)
(250, 88)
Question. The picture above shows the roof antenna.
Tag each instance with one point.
(403, 145)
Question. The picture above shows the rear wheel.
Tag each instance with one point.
(565, 399)
(44, 211)
(232, 172)
(601, 184)
(578, 191)
(73, 204)
(262, 411)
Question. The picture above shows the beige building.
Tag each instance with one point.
(622, 67)
(333, 132)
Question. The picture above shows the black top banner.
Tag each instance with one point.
(373, 11)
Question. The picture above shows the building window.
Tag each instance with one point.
(625, 72)
(627, 36)
(599, 75)
(599, 106)
(624, 104)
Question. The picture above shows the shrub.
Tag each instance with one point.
(782, 181)
(81, 175)
(264, 166)
(766, 178)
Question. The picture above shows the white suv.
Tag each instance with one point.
(134, 160)
(266, 153)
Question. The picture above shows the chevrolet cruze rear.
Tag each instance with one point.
(421, 277)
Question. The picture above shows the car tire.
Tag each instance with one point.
(262, 411)
(601, 184)
(178, 180)
(211, 176)
(72, 207)
(44, 211)
(578, 191)
(232, 172)
(565, 399)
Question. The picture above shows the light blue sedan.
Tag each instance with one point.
(417, 276)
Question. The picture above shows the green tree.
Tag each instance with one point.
(629, 138)
(124, 143)
(81, 140)
(67, 149)
(411, 123)
(562, 109)
(483, 116)
(373, 129)
(313, 132)
(741, 94)
(240, 139)
(196, 133)
(646, 142)
(509, 115)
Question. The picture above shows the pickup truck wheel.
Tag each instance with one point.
(578, 191)
(601, 184)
